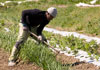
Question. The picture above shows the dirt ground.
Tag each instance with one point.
(20, 66)
(66, 60)
(75, 63)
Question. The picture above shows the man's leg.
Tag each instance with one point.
(22, 37)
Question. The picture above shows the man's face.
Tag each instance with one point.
(49, 17)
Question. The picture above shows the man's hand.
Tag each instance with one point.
(40, 37)
(25, 28)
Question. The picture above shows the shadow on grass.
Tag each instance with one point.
(73, 64)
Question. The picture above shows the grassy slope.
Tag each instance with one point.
(70, 18)
(10, 0)
(79, 19)
(30, 51)
(39, 53)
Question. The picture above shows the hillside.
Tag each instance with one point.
(84, 20)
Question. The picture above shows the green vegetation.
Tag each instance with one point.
(65, 1)
(10, 0)
(39, 54)
(74, 44)
(68, 1)
(71, 18)
(30, 51)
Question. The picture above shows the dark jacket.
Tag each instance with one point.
(34, 18)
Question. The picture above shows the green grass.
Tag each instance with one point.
(30, 51)
(10, 0)
(70, 18)
(64, 1)
(74, 44)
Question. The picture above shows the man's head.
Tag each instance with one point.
(51, 13)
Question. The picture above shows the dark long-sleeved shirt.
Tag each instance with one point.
(34, 18)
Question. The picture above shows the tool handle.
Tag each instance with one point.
(44, 42)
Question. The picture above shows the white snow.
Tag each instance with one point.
(2, 4)
(19, 2)
(7, 29)
(82, 4)
(88, 5)
(7, 1)
(93, 2)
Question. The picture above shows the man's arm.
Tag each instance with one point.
(40, 29)
(27, 20)
(25, 17)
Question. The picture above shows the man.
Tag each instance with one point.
(32, 20)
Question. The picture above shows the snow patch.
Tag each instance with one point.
(7, 29)
(88, 5)
(93, 2)
(82, 4)
(19, 2)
